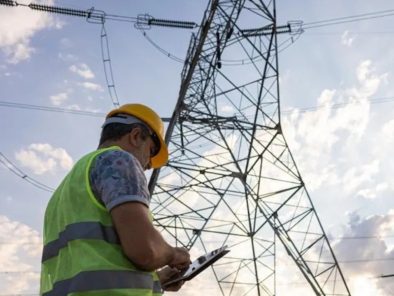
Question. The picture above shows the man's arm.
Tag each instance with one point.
(141, 242)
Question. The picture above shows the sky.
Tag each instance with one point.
(336, 98)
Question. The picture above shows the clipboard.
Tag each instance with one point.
(198, 265)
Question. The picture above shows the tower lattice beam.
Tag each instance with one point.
(231, 179)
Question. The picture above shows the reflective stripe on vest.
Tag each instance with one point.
(104, 280)
(80, 230)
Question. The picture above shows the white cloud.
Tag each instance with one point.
(20, 253)
(355, 177)
(79, 108)
(227, 109)
(59, 99)
(364, 70)
(18, 52)
(4, 71)
(43, 158)
(67, 57)
(346, 39)
(323, 141)
(82, 70)
(364, 285)
(371, 193)
(92, 86)
(366, 251)
(16, 35)
(368, 80)
(74, 107)
(388, 131)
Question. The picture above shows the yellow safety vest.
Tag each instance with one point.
(82, 255)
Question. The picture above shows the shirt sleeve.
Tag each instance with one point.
(117, 177)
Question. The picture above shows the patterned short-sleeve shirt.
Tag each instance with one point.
(117, 177)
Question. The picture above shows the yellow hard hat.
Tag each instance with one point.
(151, 119)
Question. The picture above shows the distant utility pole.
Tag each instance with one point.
(231, 179)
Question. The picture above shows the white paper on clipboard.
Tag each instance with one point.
(198, 265)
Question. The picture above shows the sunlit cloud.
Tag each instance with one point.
(67, 57)
(16, 35)
(356, 177)
(347, 39)
(92, 86)
(368, 257)
(59, 98)
(82, 70)
(20, 253)
(388, 131)
(372, 193)
(316, 138)
(43, 158)
(227, 109)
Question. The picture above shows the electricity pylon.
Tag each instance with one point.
(231, 179)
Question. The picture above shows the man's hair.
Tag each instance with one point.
(115, 131)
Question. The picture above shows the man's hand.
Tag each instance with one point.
(141, 242)
(181, 258)
(167, 273)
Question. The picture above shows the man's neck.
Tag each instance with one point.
(111, 144)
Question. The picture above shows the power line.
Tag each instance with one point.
(386, 275)
(50, 109)
(364, 237)
(145, 21)
(350, 32)
(15, 170)
(142, 22)
(365, 260)
(7, 104)
(98, 16)
(348, 19)
(351, 17)
(293, 26)
(372, 101)
(57, 109)
(162, 50)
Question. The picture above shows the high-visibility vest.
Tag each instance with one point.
(82, 254)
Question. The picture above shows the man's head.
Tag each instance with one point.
(139, 130)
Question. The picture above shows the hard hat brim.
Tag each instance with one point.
(160, 158)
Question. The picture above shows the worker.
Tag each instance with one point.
(98, 233)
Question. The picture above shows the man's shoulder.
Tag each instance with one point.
(112, 156)
(116, 177)
(116, 159)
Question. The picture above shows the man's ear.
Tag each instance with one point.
(134, 137)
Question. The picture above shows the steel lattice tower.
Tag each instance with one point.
(231, 179)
